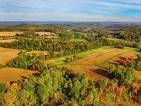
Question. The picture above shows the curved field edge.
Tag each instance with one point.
(92, 61)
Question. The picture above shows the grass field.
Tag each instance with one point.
(37, 53)
(91, 61)
(60, 60)
(7, 41)
(78, 40)
(7, 55)
(115, 39)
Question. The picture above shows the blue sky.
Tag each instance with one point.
(70, 10)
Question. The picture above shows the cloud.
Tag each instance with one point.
(71, 10)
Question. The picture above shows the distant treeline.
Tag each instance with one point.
(57, 47)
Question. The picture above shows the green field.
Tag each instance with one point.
(96, 52)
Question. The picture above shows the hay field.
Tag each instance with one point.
(91, 61)
(90, 65)
(6, 34)
(13, 74)
(8, 41)
(46, 33)
(7, 55)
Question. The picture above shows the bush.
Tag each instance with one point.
(70, 59)
(102, 83)
(23, 61)
(2, 87)
(120, 46)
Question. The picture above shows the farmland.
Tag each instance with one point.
(8, 34)
(69, 65)
(7, 55)
(90, 61)
(90, 64)
(7, 41)
(70, 53)
(12, 74)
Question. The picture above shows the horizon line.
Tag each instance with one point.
(67, 21)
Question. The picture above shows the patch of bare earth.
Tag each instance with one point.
(7, 55)
(13, 74)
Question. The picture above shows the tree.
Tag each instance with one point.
(65, 36)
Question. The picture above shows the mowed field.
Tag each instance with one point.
(7, 41)
(18, 32)
(11, 74)
(90, 62)
(9, 33)
(7, 55)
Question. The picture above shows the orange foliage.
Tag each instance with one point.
(15, 86)
(135, 87)
(111, 88)
(101, 92)
(119, 91)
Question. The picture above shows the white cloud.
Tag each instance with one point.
(75, 10)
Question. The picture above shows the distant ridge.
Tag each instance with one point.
(106, 23)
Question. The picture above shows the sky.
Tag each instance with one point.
(71, 10)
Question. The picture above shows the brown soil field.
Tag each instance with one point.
(123, 58)
(89, 64)
(9, 33)
(13, 74)
(93, 73)
(7, 55)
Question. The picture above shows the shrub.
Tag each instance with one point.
(23, 61)
(2, 87)
(102, 83)
(120, 46)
